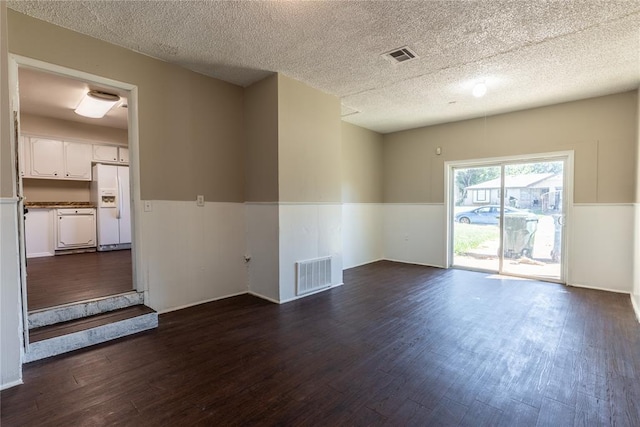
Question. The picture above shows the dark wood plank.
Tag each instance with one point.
(480, 414)
(553, 413)
(59, 329)
(396, 345)
(64, 279)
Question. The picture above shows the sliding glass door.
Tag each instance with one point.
(509, 218)
(476, 213)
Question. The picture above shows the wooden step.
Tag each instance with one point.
(81, 309)
(72, 335)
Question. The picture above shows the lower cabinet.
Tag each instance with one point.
(75, 228)
(39, 232)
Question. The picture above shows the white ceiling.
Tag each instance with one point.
(529, 53)
(51, 95)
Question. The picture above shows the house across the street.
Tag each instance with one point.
(531, 191)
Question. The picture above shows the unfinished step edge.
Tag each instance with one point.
(81, 339)
(73, 311)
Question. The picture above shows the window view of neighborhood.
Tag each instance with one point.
(533, 218)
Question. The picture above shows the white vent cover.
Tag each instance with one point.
(313, 274)
(401, 54)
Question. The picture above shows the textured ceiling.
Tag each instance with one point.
(529, 53)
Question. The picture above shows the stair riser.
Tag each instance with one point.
(84, 309)
(77, 340)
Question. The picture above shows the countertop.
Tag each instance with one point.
(55, 205)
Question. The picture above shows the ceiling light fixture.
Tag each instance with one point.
(96, 104)
(479, 90)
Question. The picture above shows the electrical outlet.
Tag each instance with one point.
(148, 207)
(200, 200)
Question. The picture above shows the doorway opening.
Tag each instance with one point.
(509, 216)
(70, 250)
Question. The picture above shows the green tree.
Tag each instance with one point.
(529, 168)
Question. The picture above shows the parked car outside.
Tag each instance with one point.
(488, 214)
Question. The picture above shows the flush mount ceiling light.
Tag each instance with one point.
(479, 90)
(96, 104)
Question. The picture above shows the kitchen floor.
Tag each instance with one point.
(63, 279)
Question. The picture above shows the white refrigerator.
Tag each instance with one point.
(110, 193)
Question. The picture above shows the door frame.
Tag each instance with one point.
(567, 156)
(18, 61)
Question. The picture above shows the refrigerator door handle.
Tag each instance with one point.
(119, 205)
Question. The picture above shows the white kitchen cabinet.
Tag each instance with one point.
(38, 226)
(75, 228)
(77, 161)
(23, 156)
(123, 155)
(47, 158)
(110, 154)
(105, 153)
(55, 159)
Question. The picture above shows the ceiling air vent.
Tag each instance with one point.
(402, 54)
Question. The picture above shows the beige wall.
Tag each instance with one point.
(638, 149)
(56, 190)
(309, 156)
(10, 315)
(600, 130)
(636, 266)
(261, 139)
(55, 128)
(190, 125)
(361, 165)
(6, 163)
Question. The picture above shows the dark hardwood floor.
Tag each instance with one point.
(62, 279)
(396, 345)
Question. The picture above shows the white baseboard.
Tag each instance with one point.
(310, 293)
(597, 288)
(364, 263)
(11, 384)
(413, 263)
(257, 295)
(39, 254)
(636, 309)
(169, 310)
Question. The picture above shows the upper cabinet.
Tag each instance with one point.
(51, 158)
(123, 155)
(77, 161)
(56, 159)
(110, 154)
(105, 153)
(47, 158)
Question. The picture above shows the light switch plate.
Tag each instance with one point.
(200, 200)
(148, 207)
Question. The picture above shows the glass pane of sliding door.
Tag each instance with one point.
(533, 219)
(476, 212)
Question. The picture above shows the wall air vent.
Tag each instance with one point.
(313, 274)
(402, 54)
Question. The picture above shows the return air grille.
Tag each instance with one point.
(402, 54)
(312, 275)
